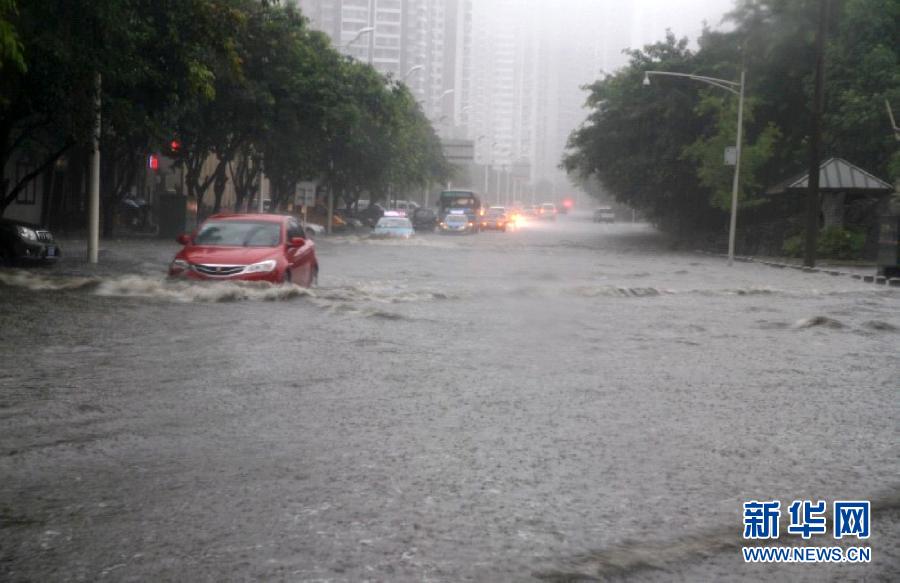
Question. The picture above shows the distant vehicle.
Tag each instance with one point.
(547, 211)
(495, 218)
(566, 206)
(604, 214)
(530, 212)
(515, 215)
(408, 206)
(392, 226)
(424, 219)
(457, 222)
(466, 200)
(370, 215)
(22, 243)
(248, 247)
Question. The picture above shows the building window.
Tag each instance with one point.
(27, 195)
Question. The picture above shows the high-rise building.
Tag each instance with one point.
(532, 61)
(425, 43)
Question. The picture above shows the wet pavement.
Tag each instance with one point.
(565, 401)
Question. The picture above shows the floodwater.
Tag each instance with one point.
(569, 400)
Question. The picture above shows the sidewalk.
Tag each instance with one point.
(851, 266)
(860, 270)
(144, 256)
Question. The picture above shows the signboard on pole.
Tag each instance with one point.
(459, 151)
(730, 156)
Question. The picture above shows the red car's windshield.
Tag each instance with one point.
(239, 234)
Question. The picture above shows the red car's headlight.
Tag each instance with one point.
(261, 267)
(179, 265)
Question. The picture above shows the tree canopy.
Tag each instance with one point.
(240, 87)
(659, 149)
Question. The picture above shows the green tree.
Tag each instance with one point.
(707, 152)
(212, 122)
(11, 53)
(863, 60)
(674, 132)
(635, 137)
(47, 99)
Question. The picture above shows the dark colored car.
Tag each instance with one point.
(604, 214)
(495, 218)
(424, 219)
(547, 211)
(22, 242)
(371, 214)
(251, 247)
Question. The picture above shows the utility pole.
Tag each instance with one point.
(508, 185)
(329, 215)
(260, 204)
(815, 141)
(93, 243)
(736, 88)
(732, 225)
(894, 126)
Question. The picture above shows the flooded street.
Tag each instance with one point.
(562, 400)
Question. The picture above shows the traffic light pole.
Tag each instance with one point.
(93, 242)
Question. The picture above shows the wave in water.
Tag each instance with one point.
(150, 287)
(140, 286)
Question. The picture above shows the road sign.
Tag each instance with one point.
(459, 151)
(730, 156)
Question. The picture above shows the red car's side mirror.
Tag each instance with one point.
(183, 239)
(296, 242)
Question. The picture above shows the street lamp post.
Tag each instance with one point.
(738, 89)
(894, 125)
(359, 34)
(465, 109)
(441, 102)
(412, 70)
(509, 178)
(486, 167)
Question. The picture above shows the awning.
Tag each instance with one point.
(836, 174)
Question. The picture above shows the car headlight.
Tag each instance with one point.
(179, 265)
(27, 233)
(261, 267)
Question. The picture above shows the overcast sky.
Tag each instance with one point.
(684, 17)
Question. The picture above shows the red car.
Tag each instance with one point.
(248, 247)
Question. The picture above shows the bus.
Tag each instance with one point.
(467, 200)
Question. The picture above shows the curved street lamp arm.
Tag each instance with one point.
(413, 70)
(893, 123)
(720, 86)
(359, 34)
(725, 84)
(737, 89)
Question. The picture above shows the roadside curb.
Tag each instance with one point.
(876, 279)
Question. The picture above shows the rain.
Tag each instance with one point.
(449, 290)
